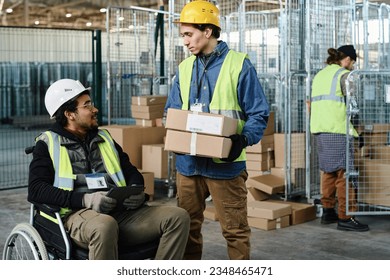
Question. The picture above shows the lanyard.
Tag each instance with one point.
(199, 81)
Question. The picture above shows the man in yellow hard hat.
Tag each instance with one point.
(216, 79)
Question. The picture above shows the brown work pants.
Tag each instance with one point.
(102, 234)
(333, 184)
(230, 202)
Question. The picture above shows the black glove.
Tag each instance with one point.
(239, 142)
(134, 201)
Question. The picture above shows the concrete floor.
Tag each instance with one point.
(308, 241)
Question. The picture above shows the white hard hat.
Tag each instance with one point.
(61, 92)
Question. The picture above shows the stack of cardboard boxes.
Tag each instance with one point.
(132, 138)
(373, 164)
(148, 110)
(197, 133)
(260, 157)
(267, 213)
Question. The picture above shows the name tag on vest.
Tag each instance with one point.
(96, 181)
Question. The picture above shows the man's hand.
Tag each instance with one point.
(239, 142)
(134, 201)
(99, 202)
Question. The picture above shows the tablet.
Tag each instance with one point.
(121, 193)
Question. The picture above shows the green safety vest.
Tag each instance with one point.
(64, 176)
(224, 101)
(328, 109)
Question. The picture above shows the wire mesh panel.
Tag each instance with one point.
(138, 56)
(368, 102)
(30, 60)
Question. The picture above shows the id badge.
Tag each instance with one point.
(96, 181)
(196, 107)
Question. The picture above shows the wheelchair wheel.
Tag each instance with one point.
(24, 243)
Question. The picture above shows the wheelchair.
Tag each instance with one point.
(45, 238)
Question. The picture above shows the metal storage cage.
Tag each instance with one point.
(30, 60)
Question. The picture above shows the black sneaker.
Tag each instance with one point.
(329, 216)
(352, 224)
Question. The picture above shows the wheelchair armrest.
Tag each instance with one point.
(46, 207)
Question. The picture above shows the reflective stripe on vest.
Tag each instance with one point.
(224, 100)
(64, 177)
(328, 109)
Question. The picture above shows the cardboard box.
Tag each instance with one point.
(379, 152)
(262, 223)
(377, 127)
(131, 138)
(268, 183)
(148, 100)
(254, 173)
(374, 139)
(144, 122)
(374, 182)
(256, 195)
(209, 213)
(268, 210)
(270, 124)
(264, 165)
(260, 156)
(300, 212)
(266, 144)
(199, 122)
(149, 183)
(148, 108)
(147, 115)
(298, 175)
(297, 150)
(197, 144)
(283, 222)
(155, 159)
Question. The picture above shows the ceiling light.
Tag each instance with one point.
(9, 10)
(36, 22)
(68, 15)
(103, 10)
(88, 24)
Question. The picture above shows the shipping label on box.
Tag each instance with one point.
(200, 122)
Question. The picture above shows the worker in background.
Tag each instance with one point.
(328, 123)
(75, 163)
(215, 79)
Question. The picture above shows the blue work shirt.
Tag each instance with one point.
(251, 99)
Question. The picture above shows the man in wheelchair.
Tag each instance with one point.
(75, 164)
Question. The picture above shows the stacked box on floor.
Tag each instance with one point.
(148, 110)
(260, 157)
(267, 213)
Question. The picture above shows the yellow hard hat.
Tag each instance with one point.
(200, 12)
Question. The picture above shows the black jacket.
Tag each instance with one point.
(41, 174)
